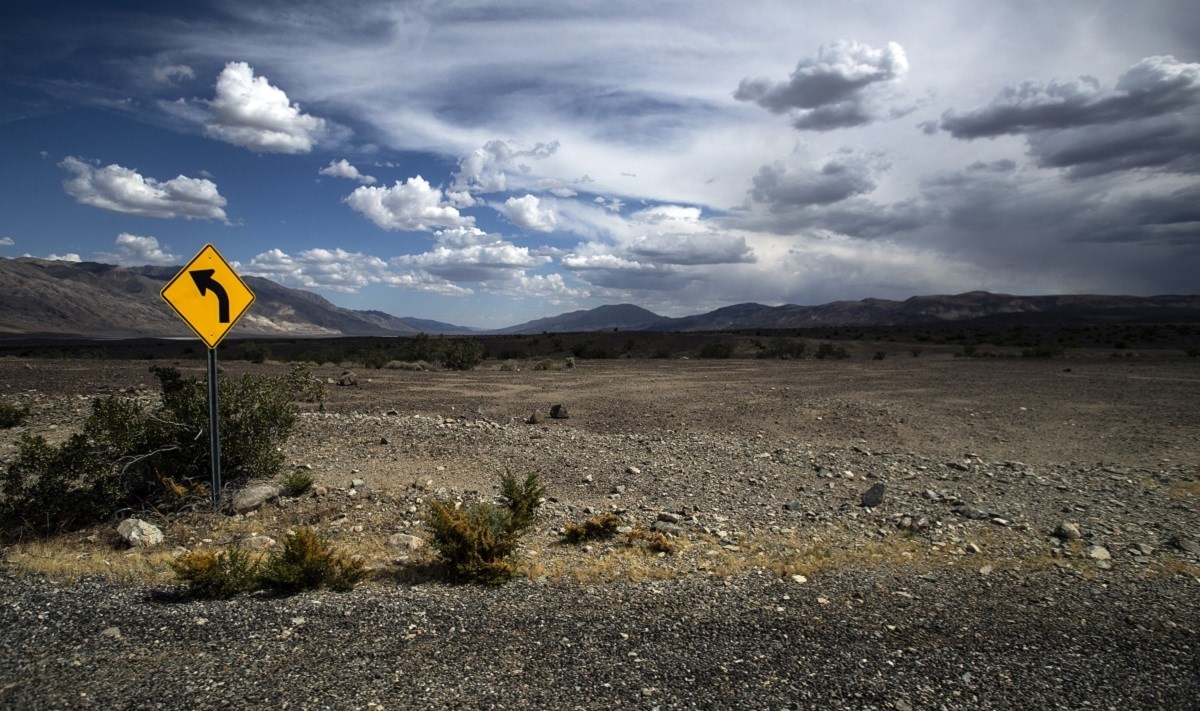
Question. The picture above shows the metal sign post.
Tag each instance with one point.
(214, 434)
(210, 302)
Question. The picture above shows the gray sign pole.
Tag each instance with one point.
(214, 436)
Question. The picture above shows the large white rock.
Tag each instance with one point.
(140, 534)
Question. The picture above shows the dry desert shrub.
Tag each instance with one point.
(217, 575)
(308, 562)
(596, 528)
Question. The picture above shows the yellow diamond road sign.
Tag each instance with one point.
(208, 295)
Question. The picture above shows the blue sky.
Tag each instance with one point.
(490, 163)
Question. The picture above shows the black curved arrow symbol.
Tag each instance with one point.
(204, 281)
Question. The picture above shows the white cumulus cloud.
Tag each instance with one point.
(135, 250)
(6, 242)
(411, 205)
(121, 189)
(247, 111)
(529, 212)
(343, 169)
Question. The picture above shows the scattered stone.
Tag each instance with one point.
(252, 498)
(1097, 553)
(406, 541)
(793, 506)
(668, 517)
(1068, 531)
(873, 497)
(972, 513)
(534, 418)
(799, 579)
(671, 529)
(111, 632)
(618, 489)
(357, 483)
(633, 470)
(140, 534)
(986, 570)
(558, 412)
(1187, 545)
(383, 440)
(973, 549)
(347, 379)
(319, 491)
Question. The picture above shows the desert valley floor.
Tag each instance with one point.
(959, 590)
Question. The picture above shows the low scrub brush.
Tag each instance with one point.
(308, 562)
(210, 575)
(12, 416)
(297, 483)
(476, 540)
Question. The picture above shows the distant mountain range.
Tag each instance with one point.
(40, 297)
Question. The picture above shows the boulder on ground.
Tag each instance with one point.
(253, 497)
(140, 534)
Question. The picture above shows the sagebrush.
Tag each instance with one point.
(131, 456)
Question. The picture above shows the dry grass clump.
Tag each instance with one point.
(65, 559)
(653, 541)
(596, 528)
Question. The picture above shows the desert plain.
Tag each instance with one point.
(1035, 542)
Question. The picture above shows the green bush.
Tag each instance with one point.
(256, 352)
(297, 482)
(521, 499)
(719, 349)
(596, 528)
(12, 416)
(130, 457)
(217, 575)
(308, 562)
(544, 364)
(783, 348)
(476, 541)
(375, 358)
(830, 351)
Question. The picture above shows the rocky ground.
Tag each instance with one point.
(1033, 543)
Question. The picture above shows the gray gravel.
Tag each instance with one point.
(882, 640)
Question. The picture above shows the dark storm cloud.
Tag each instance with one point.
(831, 90)
(1170, 143)
(782, 188)
(1154, 86)
(693, 249)
(1151, 119)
